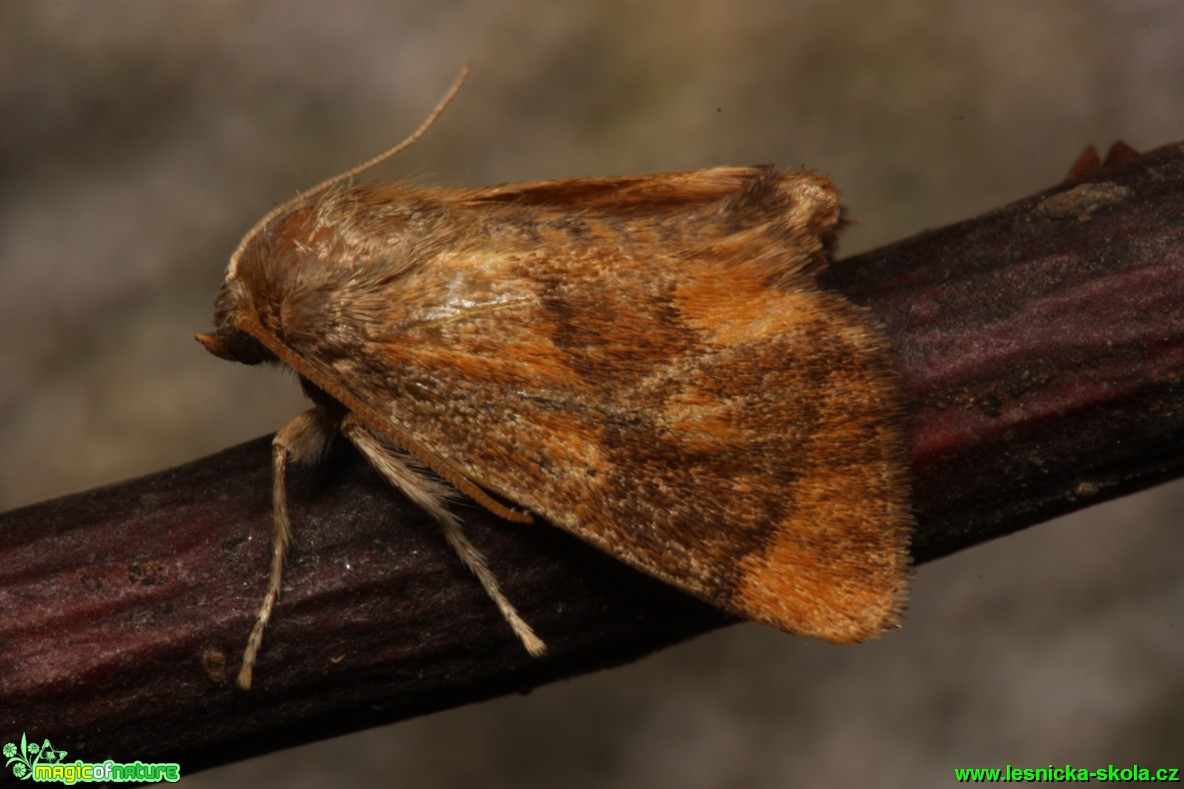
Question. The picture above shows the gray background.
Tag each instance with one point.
(139, 140)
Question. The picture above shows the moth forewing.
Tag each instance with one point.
(648, 362)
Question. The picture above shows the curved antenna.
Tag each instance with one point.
(329, 183)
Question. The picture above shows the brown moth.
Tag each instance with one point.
(646, 362)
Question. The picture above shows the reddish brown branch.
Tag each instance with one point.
(1042, 349)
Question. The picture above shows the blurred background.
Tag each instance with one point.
(140, 140)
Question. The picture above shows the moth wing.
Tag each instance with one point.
(660, 377)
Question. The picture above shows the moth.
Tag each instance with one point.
(646, 362)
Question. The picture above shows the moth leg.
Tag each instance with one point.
(304, 440)
(428, 494)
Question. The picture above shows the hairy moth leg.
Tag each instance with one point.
(429, 495)
(304, 439)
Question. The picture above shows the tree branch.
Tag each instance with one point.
(1041, 348)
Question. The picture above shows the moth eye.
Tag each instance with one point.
(244, 348)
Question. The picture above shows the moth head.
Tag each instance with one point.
(227, 340)
(246, 328)
(235, 346)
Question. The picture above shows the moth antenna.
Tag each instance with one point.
(392, 152)
(329, 183)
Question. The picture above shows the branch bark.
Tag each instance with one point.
(1041, 348)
